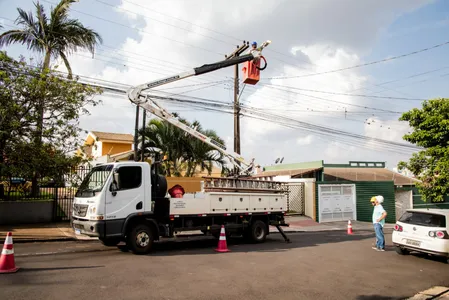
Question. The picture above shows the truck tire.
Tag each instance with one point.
(140, 239)
(258, 232)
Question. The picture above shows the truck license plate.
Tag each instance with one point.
(413, 243)
(77, 231)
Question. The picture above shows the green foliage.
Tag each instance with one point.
(185, 155)
(431, 131)
(25, 90)
(55, 37)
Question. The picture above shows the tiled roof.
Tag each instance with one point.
(113, 136)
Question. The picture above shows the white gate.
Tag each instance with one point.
(336, 202)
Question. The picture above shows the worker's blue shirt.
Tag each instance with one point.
(377, 213)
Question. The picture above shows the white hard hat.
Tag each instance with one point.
(380, 199)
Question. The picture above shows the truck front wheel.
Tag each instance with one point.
(258, 232)
(140, 239)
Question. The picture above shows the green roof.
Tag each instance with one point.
(320, 164)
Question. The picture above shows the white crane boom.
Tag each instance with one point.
(145, 101)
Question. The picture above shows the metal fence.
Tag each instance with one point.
(61, 191)
(296, 197)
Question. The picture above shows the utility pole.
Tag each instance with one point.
(237, 52)
(136, 134)
(144, 120)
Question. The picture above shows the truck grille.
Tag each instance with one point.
(80, 210)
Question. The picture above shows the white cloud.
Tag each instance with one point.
(305, 140)
(328, 34)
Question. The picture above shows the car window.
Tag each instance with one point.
(423, 219)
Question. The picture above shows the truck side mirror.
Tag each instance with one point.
(115, 186)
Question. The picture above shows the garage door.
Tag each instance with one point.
(336, 202)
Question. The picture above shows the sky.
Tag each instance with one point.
(149, 40)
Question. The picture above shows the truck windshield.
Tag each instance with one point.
(94, 181)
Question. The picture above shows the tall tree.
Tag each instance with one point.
(430, 126)
(22, 87)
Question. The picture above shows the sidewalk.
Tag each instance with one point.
(436, 292)
(63, 231)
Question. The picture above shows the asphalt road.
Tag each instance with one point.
(316, 265)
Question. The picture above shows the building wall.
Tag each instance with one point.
(97, 152)
(26, 212)
(364, 191)
(309, 192)
(114, 148)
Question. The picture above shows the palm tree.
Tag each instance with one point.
(202, 155)
(168, 140)
(54, 37)
(184, 153)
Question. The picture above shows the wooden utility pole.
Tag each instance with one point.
(236, 53)
(136, 134)
(144, 120)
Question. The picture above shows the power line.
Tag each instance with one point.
(362, 65)
(343, 94)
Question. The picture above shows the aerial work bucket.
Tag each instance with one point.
(251, 71)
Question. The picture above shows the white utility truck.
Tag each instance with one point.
(128, 201)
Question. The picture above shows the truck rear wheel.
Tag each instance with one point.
(140, 239)
(258, 232)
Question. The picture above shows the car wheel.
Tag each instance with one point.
(401, 251)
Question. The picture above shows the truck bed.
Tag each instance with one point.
(227, 203)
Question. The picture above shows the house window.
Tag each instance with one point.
(130, 177)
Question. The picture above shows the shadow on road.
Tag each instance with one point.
(57, 268)
(274, 243)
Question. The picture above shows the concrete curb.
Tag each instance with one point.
(436, 292)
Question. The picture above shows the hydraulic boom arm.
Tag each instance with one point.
(145, 101)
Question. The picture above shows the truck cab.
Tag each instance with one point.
(109, 195)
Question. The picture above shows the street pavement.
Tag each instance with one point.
(316, 265)
(63, 232)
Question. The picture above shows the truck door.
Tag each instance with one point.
(124, 197)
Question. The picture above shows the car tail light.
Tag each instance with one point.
(439, 234)
(398, 228)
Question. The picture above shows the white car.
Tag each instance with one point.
(423, 230)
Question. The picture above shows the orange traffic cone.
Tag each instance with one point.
(222, 245)
(349, 227)
(7, 264)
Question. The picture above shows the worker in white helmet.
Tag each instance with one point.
(379, 215)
